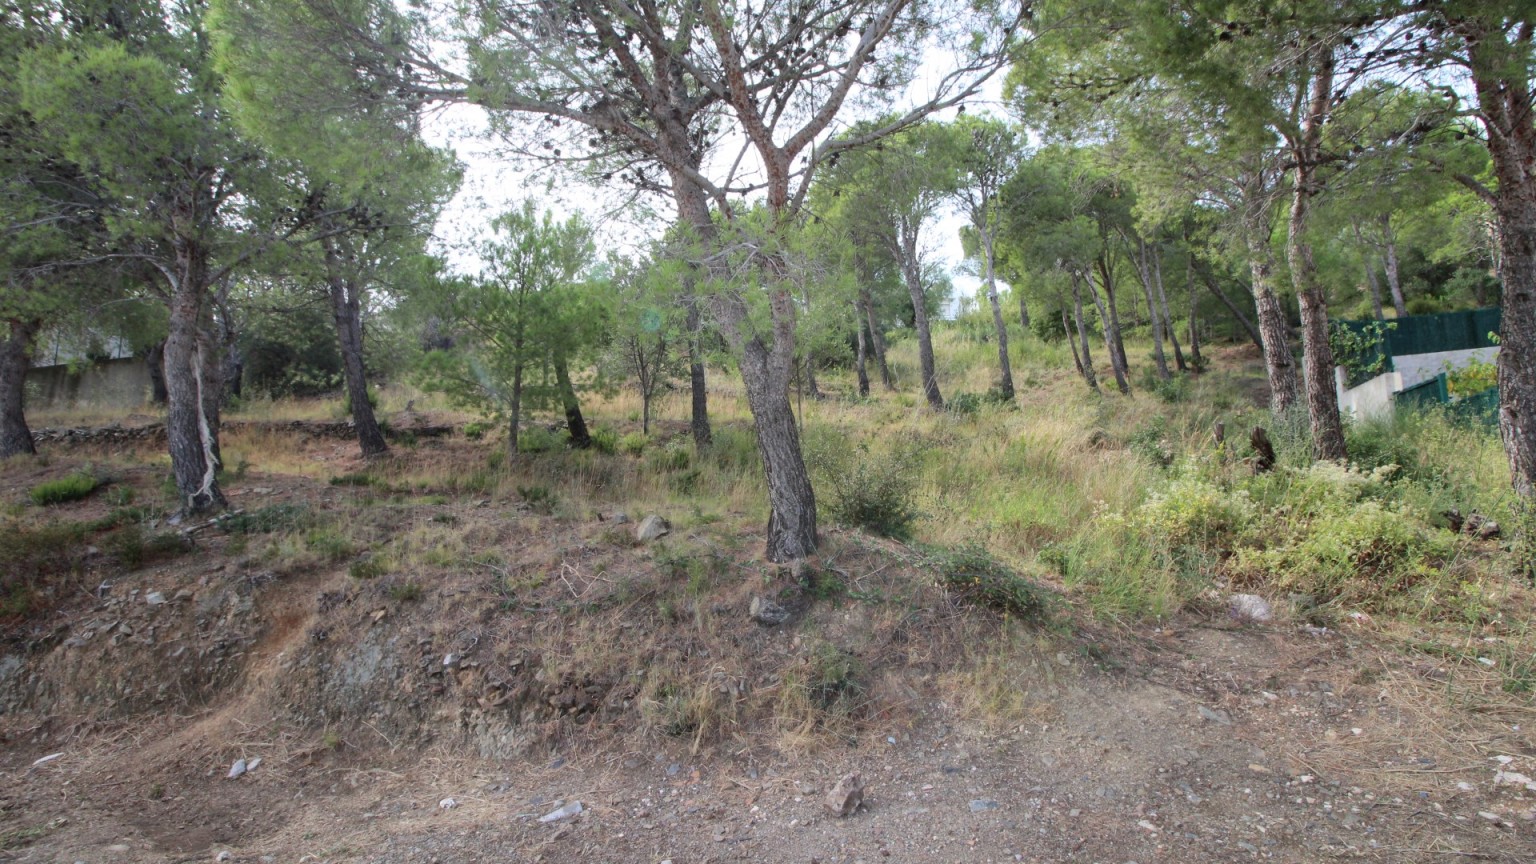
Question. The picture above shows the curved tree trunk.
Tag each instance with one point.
(1194, 330)
(1209, 279)
(1082, 335)
(575, 423)
(1004, 368)
(1143, 259)
(15, 355)
(191, 427)
(1066, 328)
(1111, 322)
(347, 313)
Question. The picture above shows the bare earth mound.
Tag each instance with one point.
(424, 678)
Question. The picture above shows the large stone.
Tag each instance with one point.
(845, 797)
(651, 527)
(767, 612)
(1250, 608)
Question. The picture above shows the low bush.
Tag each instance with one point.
(63, 490)
(972, 574)
(266, 520)
(866, 489)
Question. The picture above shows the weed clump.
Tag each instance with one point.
(978, 578)
(63, 490)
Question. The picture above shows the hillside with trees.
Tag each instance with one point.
(829, 395)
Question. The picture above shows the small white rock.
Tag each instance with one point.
(237, 769)
(447, 803)
(46, 759)
(154, 598)
(565, 812)
(253, 765)
(224, 856)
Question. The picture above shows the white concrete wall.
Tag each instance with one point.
(1416, 368)
(1369, 400)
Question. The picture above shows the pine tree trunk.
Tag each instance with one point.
(876, 341)
(1168, 325)
(1317, 354)
(1111, 322)
(1394, 281)
(1082, 335)
(1372, 286)
(15, 354)
(155, 360)
(697, 389)
(514, 420)
(1209, 279)
(347, 312)
(1005, 369)
(1154, 317)
(1023, 311)
(1066, 329)
(1194, 330)
(861, 349)
(914, 280)
(1278, 362)
(575, 423)
(191, 427)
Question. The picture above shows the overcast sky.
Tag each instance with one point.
(493, 184)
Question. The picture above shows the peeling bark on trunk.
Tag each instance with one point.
(1394, 281)
(15, 355)
(1005, 369)
(575, 423)
(1317, 353)
(191, 427)
(347, 313)
(1279, 365)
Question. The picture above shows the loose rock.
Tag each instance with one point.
(1250, 608)
(652, 527)
(846, 796)
(237, 769)
(565, 812)
(767, 612)
(154, 598)
(1216, 716)
(981, 805)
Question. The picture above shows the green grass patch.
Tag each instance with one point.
(64, 489)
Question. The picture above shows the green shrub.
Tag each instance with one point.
(1197, 513)
(605, 441)
(1375, 444)
(538, 439)
(865, 489)
(63, 490)
(406, 592)
(266, 520)
(978, 578)
(475, 430)
(964, 404)
(357, 478)
(371, 567)
(633, 443)
(1151, 442)
(538, 498)
(134, 549)
(673, 457)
